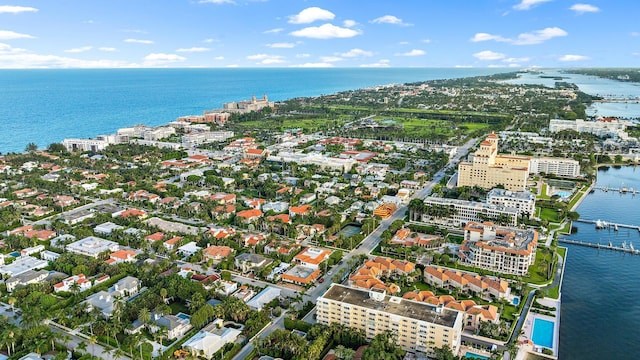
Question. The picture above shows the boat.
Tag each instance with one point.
(631, 247)
(623, 245)
(601, 224)
(615, 227)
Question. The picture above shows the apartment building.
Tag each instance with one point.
(556, 166)
(604, 127)
(462, 211)
(487, 169)
(497, 248)
(523, 201)
(420, 327)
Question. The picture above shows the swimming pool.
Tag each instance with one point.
(516, 301)
(15, 254)
(183, 316)
(563, 194)
(471, 355)
(543, 333)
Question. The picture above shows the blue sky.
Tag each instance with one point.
(322, 33)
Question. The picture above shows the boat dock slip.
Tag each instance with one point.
(623, 248)
(621, 190)
(600, 224)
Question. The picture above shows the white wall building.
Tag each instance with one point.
(556, 166)
(465, 211)
(92, 246)
(523, 201)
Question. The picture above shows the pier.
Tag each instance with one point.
(605, 224)
(621, 190)
(623, 248)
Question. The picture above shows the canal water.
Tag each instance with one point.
(601, 288)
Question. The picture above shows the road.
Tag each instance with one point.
(372, 240)
(248, 348)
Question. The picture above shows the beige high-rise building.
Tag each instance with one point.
(420, 327)
(488, 169)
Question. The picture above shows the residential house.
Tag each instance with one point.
(247, 262)
(211, 339)
(216, 253)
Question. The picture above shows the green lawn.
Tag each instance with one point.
(538, 271)
(543, 193)
(177, 307)
(550, 215)
(577, 195)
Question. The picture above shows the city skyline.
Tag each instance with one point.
(332, 33)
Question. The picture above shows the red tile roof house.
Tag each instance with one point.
(216, 253)
(248, 216)
(121, 256)
(299, 210)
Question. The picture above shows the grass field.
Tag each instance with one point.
(550, 215)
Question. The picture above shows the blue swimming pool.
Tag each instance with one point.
(516, 301)
(183, 316)
(543, 333)
(563, 194)
(15, 254)
(471, 355)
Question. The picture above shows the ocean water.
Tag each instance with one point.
(46, 106)
(600, 308)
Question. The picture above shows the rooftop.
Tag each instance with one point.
(393, 305)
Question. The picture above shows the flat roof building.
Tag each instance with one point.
(523, 201)
(92, 246)
(455, 212)
(420, 327)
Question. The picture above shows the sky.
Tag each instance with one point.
(320, 33)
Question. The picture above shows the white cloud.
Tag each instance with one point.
(303, 55)
(326, 31)
(161, 59)
(329, 59)
(349, 23)
(266, 59)
(313, 65)
(516, 60)
(414, 52)
(486, 37)
(635, 33)
(232, 66)
(584, 8)
(531, 38)
(218, 58)
(356, 53)
(528, 4)
(463, 66)
(310, 15)
(426, 41)
(8, 49)
(539, 36)
(273, 31)
(281, 45)
(18, 59)
(138, 41)
(403, 43)
(79, 49)
(12, 35)
(210, 40)
(570, 57)
(217, 2)
(10, 9)
(193, 49)
(390, 19)
(107, 49)
(382, 63)
(488, 55)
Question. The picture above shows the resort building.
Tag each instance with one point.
(246, 106)
(454, 212)
(604, 127)
(523, 201)
(487, 169)
(555, 166)
(92, 246)
(496, 248)
(420, 327)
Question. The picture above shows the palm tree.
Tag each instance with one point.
(12, 301)
(145, 316)
(163, 293)
(82, 346)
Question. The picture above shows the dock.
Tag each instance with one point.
(623, 248)
(606, 224)
(621, 190)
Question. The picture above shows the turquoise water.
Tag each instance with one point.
(563, 194)
(15, 254)
(183, 316)
(543, 333)
(46, 106)
(596, 278)
(471, 355)
(516, 301)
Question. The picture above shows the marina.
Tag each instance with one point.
(600, 224)
(623, 247)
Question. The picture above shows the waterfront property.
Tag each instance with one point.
(488, 169)
(420, 327)
(454, 212)
(523, 201)
(498, 248)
